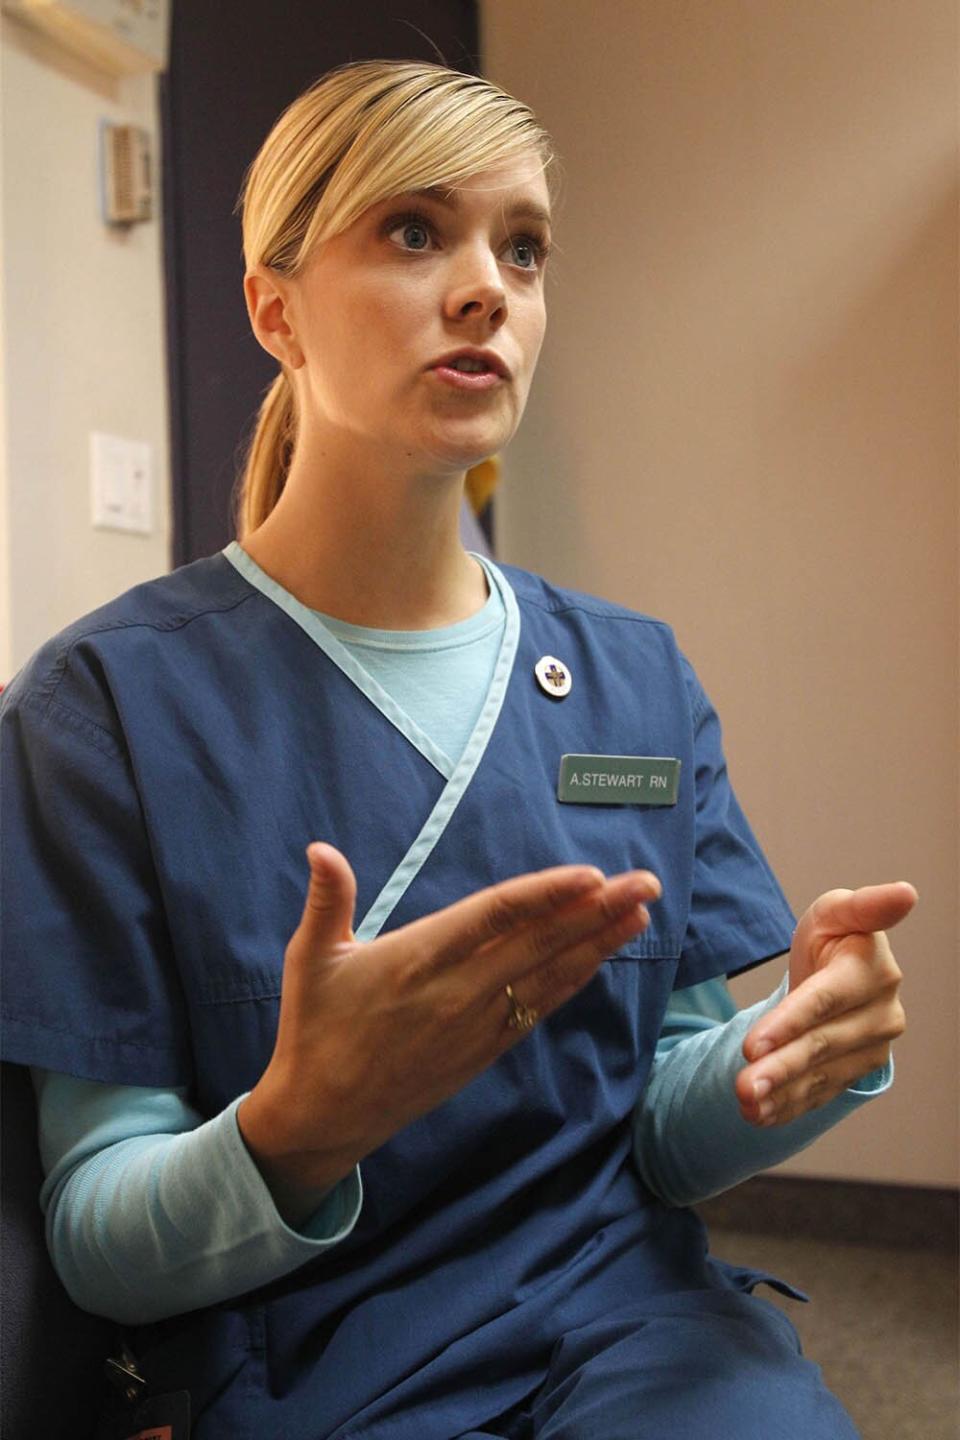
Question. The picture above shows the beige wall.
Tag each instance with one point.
(81, 312)
(745, 421)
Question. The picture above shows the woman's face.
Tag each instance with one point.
(414, 280)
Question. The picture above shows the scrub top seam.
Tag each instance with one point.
(177, 621)
(699, 706)
(596, 610)
(35, 1021)
(50, 680)
(311, 624)
(597, 614)
(755, 933)
(90, 731)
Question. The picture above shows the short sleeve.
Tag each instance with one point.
(739, 915)
(89, 984)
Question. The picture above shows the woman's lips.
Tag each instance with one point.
(466, 379)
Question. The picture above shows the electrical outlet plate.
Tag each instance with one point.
(121, 483)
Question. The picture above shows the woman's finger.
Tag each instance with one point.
(862, 969)
(448, 936)
(555, 980)
(872, 907)
(816, 1087)
(549, 952)
(825, 1049)
(520, 922)
(331, 896)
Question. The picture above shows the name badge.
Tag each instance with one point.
(618, 780)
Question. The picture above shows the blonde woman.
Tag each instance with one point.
(410, 1160)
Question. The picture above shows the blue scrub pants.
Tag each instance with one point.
(700, 1366)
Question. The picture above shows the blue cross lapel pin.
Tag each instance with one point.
(553, 677)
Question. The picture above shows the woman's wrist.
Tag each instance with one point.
(298, 1180)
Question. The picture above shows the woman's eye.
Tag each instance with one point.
(414, 232)
(420, 239)
(530, 252)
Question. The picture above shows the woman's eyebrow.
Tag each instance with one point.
(517, 207)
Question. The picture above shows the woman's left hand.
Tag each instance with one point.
(841, 1013)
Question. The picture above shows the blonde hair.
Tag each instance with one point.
(361, 133)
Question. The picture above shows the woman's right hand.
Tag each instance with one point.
(373, 1035)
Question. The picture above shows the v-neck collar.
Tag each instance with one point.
(459, 777)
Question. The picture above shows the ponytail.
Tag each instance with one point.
(268, 456)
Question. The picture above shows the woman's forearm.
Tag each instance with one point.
(690, 1140)
(155, 1224)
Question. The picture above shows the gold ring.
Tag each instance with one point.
(522, 1017)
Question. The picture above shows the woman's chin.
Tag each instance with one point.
(457, 464)
(461, 452)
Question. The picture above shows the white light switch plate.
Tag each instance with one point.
(121, 483)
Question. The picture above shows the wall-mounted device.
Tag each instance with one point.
(123, 37)
(121, 483)
(126, 193)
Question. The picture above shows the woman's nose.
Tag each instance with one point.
(476, 287)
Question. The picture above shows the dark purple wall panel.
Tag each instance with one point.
(233, 68)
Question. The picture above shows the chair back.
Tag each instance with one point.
(51, 1352)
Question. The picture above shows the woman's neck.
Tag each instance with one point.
(370, 551)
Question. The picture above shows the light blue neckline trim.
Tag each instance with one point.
(459, 777)
(310, 621)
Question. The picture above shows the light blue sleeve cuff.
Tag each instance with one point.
(334, 1217)
(874, 1083)
(690, 1140)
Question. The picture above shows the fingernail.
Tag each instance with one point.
(762, 1088)
(760, 1048)
(766, 1109)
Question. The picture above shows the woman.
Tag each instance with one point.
(430, 1186)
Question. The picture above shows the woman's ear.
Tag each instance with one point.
(269, 308)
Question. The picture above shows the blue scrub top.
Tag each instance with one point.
(167, 759)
